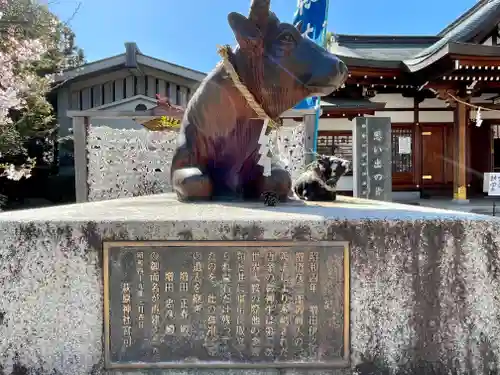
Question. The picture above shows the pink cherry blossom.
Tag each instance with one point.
(13, 81)
(16, 79)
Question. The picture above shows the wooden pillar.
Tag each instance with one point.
(460, 180)
(417, 146)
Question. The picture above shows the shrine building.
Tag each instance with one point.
(429, 86)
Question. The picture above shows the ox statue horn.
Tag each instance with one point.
(259, 12)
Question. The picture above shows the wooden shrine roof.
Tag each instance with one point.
(412, 54)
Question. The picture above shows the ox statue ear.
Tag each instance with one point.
(246, 32)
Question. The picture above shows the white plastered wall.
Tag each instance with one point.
(486, 115)
(434, 116)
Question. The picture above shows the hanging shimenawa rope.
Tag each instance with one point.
(476, 107)
(224, 52)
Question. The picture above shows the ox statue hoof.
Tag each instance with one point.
(191, 184)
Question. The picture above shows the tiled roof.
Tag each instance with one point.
(415, 52)
(483, 19)
(463, 17)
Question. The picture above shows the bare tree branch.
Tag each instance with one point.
(68, 21)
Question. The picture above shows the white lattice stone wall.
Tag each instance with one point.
(127, 162)
(291, 141)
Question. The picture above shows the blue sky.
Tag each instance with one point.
(187, 32)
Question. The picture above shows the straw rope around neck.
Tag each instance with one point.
(224, 52)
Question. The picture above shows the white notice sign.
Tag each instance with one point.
(494, 185)
(404, 145)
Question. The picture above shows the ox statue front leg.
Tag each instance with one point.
(191, 184)
(188, 179)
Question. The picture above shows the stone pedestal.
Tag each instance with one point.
(423, 282)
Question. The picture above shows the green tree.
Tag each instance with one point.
(328, 40)
(34, 45)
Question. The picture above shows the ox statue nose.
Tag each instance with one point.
(337, 77)
(329, 76)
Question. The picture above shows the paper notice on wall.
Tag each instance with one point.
(494, 184)
(404, 145)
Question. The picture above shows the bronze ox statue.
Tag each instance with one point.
(218, 150)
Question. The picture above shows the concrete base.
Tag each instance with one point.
(403, 196)
(424, 281)
(460, 201)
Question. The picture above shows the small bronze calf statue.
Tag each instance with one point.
(218, 147)
(319, 182)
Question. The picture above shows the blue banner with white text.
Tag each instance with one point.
(314, 16)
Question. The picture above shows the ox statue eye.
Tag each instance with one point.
(287, 38)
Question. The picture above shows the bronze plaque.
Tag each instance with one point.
(226, 304)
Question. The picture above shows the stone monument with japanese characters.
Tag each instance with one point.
(372, 159)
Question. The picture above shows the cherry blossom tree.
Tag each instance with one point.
(34, 44)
